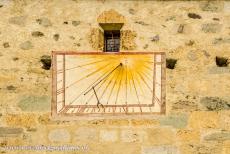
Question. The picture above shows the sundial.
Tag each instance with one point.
(97, 83)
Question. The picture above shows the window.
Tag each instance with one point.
(112, 41)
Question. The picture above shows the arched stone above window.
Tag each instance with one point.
(111, 20)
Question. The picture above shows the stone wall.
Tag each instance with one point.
(195, 36)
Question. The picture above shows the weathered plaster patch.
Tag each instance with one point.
(128, 40)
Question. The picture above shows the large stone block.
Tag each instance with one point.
(185, 105)
(10, 131)
(86, 134)
(214, 103)
(219, 70)
(211, 28)
(18, 20)
(176, 121)
(133, 136)
(34, 103)
(161, 136)
(118, 122)
(204, 120)
(194, 148)
(108, 135)
(227, 6)
(218, 136)
(212, 6)
(59, 135)
(144, 122)
(225, 120)
(23, 120)
(159, 150)
(188, 136)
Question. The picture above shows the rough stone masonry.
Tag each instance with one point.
(195, 36)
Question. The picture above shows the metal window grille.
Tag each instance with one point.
(112, 41)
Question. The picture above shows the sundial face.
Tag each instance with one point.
(107, 83)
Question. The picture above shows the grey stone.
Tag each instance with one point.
(59, 135)
(10, 131)
(132, 11)
(180, 28)
(212, 6)
(141, 23)
(86, 134)
(192, 56)
(177, 120)
(75, 23)
(11, 87)
(221, 40)
(159, 150)
(185, 106)
(227, 6)
(6, 45)
(108, 135)
(206, 53)
(203, 148)
(190, 42)
(218, 136)
(45, 22)
(46, 61)
(146, 46)
(31, 129)
(133, 136)
(214, 103)
(155, 38)
(173, 18)
(211, 27)
(56, 37)
(72, 37)
(34, 103)
(18, 20)
(218, 70)
(26, 45)
(37, 34)
(194, 16)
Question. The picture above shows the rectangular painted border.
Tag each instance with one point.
(59, 116)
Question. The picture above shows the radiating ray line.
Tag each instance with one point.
(96, 89)
(107, 85)
(148, 61)
(147, 75)
(113, 85)
(139, 83)
(118, 90)
(104, 80)
(149, 68)
(126, 86)
(88, 75)
(105, 76)
(108, 72)
(60, 71)
(144, 81)
(135, 90)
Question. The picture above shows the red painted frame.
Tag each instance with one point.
(54, 86)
